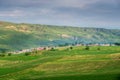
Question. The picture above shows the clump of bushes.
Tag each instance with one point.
(68, 49)
(27, 53)
(71, 47)
(44, 48)
(35, 51)
(53, 49)
(2, 55)
(9, 54)
(98, 48)
(87, 48)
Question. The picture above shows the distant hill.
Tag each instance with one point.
(15, 36)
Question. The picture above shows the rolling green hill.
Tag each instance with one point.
(14, 36)
(63, 64)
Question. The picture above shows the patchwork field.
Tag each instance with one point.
(97, 63)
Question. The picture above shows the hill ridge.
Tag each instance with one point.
(23, 35)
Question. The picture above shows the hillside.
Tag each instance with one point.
(14, 36)
(63, 64)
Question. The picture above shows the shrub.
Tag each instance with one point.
(53, 49)
(87, 48)
(9, 54)
(67, 49)
(27, 53)
(2, 55)
(71, 47)
(98, 48)
(36, 51)
(44, 48)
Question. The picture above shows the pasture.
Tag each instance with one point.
(97, 63)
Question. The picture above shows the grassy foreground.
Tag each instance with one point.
(63, 64)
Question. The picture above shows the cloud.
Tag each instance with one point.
(50, 3)
(75, 3)
(14, 13)
(66, 12)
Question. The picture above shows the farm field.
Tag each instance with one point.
(76, 63)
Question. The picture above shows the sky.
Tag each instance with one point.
(78, 13)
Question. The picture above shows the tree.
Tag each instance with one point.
(52, 49)
(27, 53)
(87, 48)
(2, 55)
(71, 47)
(3, 50)
(98, 48)
(117, 44)
(9, 54)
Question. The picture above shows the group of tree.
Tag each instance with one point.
(117, 44)
(27, 53)
(87, 48)
(5, 54)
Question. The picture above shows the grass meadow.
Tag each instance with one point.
(97, 63)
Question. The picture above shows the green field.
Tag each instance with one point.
(63, 64)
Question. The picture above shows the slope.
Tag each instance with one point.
(14, 36)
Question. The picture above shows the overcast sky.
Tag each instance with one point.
(82, 13)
